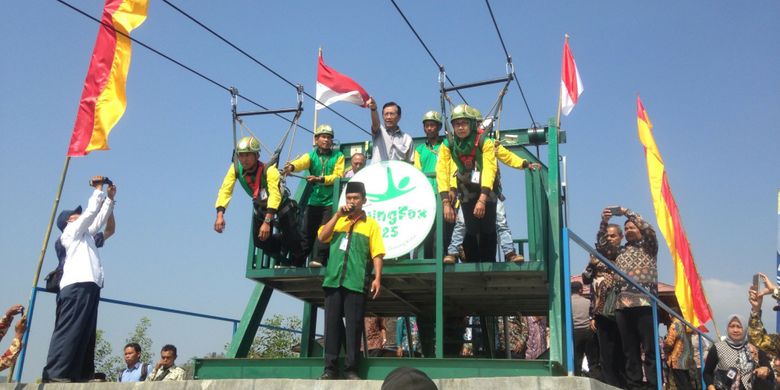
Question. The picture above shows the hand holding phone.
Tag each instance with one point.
(616, 210)
(756, 279)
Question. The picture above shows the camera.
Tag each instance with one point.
(104, 180)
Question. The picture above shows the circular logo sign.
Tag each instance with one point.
(400, 198)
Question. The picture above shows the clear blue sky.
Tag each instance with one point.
(707, 74)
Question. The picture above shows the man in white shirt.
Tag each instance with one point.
(357, 161)
(71, 355)
(390, 143)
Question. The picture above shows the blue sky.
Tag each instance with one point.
(707, 74)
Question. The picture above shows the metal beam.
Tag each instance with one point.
(267, 112)
(247, 329)
(478, 83)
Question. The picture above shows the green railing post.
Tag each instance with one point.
(555, 268)
(439, 282)
(308, 337)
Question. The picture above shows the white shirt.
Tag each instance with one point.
(392, 146)
(82, 262)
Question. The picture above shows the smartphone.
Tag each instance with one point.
(615, 211)
(21, 312)
(756, 279)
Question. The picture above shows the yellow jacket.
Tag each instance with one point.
(272, 183)
(445, 164)
(510, 159)
(304, 162)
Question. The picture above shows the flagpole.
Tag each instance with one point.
(319, 54)
(560, 92)
(777, 325)
(34, 291)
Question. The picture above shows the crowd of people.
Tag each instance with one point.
(616, 331)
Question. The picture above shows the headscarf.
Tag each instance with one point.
(737, 344)
(464, 146)
(736, 354)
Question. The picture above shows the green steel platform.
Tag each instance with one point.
(428, 288)
(409, 287)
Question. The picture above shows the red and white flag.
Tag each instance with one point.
(334, 87)
(571, 85)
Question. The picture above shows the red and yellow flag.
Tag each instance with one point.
(687, 284)
(103, 98)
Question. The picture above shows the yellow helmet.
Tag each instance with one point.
(248, 144)
(432, 116)
(324, 129)
(464, 111)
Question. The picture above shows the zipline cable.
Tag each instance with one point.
(506, 52)
(258, 62)
(163, 55)
(438, 65)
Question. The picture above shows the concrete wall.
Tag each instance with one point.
(540, 383)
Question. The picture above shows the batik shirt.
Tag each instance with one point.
(769, 343)
(373, 329)
(402, 338)
(518, 333)
(638, 260)
(537, 337)
(677, 346)
(9, 357)
(599, 276)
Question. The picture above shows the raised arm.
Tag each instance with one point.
(106, 210)
(375, 125)
(83, 222)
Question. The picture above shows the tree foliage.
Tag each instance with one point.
(104, 362)
(276, 343)
(113, 365)
(140, 335)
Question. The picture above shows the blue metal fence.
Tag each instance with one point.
(20, 363)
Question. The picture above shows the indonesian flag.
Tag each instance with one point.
(687, 284)
(103, 98)
(334, 87)
(571, 85)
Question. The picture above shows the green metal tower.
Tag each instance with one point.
(430, 290)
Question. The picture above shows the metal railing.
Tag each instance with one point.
(20, 364)
(568, 235)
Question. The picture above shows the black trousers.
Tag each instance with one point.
(592, 353)
(681, 379)
(313, 218)
(582, 337)
(290, 237)
(349, 305)
(72, 347)
(636, 332)
(480, 240)
(613, 368)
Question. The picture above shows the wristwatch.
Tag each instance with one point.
(268, 220)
